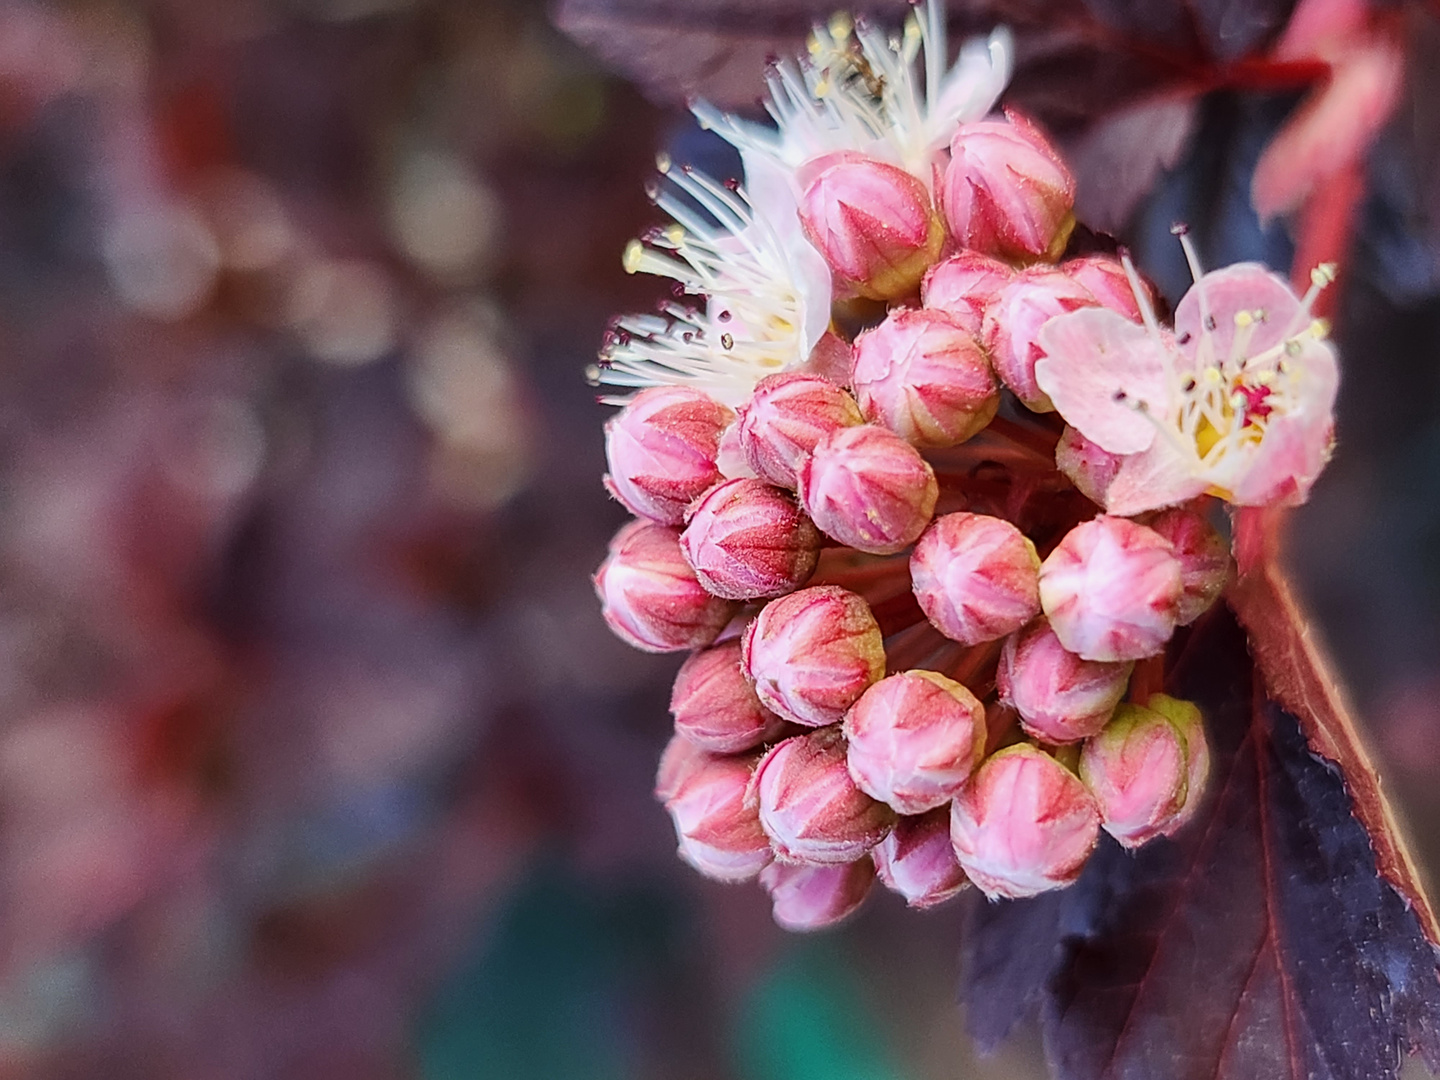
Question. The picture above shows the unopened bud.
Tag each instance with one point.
(874, 224)
(1111, 590)
(1024, 824)
(813, 653)
(1012, 325)
(786, 416)
(1090, 467)
(1136, 769)
(681, 758)
(914, 738)
(747, 539)
(730, 458)
(870, 489)
(651, 598)
(963, 285)
(815, 897)
(917, 860)
(1106, 280)
(1186, 717)
(1204, 559)
(976, 577)
(1060, 697)
(662, 448)
(924, 376)
(1007, 192)
(715, 706)
(810, 806)
(718, 829)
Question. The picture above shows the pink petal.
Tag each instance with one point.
(1159, 476)
(1248, 287)
(1297, 443)
(1093, 355)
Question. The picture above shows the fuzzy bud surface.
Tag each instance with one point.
(813, 653)
(918, 861)
(1204, 559)
(1137, 770)
(869, 489)
(719, 832)
(962, 287)
(1012, 327)
(715, 707)
(1024, 824)
(976, 577)
(680, 758)
(1060, 697)
(914, 738)
(815, 897)
(1105, 279)
(810, 806)
(874, 224)
(1111, 590)
(747, 539)
(1186, 717)
(1089, 466)
(662, 450)
(1007, 192)
(923, 375)
(650, 596)
(786, 416)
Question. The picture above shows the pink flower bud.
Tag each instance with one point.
(1105, 279)
(730, 457)
(718, 829)
(870, 489)
(814, 897)
(715, 707)
(874, 225)
(923, 375)
(1090, 467)
(661, 448)
(1204, 559)
(963, 285)
(1136, 769)
(1060, 697)
(914, 738)
(1024, 824)
(651, 598)
(976, 577)
(680, 759)
(813, 653)
(810, 806)
(1186, 717)
(787, 415)
(747, 539)
(1111, 590)
(1012, 325)
(1006, 191)
(918, 861)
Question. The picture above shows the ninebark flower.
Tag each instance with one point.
(715, 706)
(870, 489)
(1013, 320)
(1204, 556)
(1137, 770)
(812, 654)
(917, 860)
(662, 450)
(925, 377)
(1024, 824)
(809, 897)
(784, 419)
(747, 539)
(976, 577)
(650, 596)
(1060, 697)
(718, 830)
(914, 738)
(1238, 401)
(963, 286)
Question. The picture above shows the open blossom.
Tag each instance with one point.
(1237, 401)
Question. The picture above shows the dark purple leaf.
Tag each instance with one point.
(1279, 936)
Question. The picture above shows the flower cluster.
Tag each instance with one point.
(919, 489)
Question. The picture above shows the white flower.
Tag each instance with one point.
(859, 91)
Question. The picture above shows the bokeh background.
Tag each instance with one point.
(316, 759)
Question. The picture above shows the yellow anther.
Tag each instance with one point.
(663, 162)
(840, 26)
(1320, 328)
(674, 233)
(634, 256)
(1322, 275)
(1212, 376)
(1244, 318)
